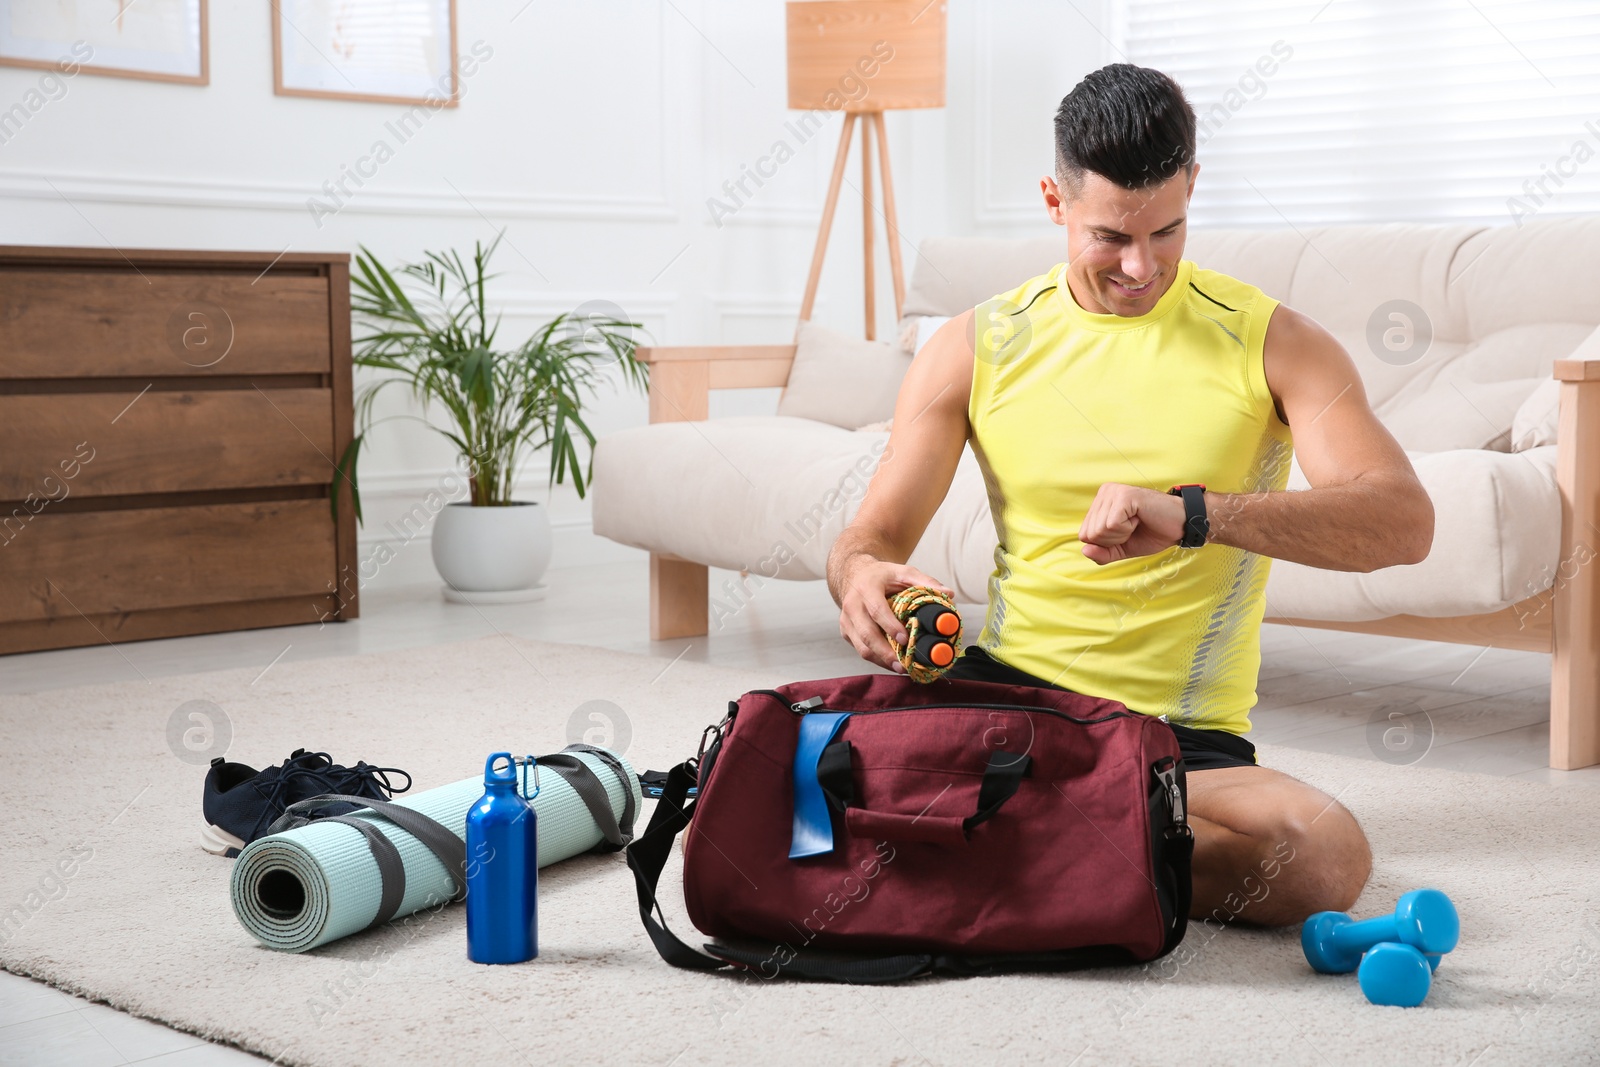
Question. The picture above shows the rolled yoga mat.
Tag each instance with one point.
(319, 882)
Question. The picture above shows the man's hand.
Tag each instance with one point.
(1126, 520)
(864, 614)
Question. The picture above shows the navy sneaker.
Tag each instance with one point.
(240, 802)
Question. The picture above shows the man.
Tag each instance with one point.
(1087, 393)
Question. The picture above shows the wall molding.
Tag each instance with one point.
(372, 540)
(575, 544)
(755, 305)
(20, 184)
(761, 307)
(526, 304)
(985, 209)
(779, 213)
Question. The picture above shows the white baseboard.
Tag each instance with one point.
(387, 564)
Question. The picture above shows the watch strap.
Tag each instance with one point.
(1196, 526)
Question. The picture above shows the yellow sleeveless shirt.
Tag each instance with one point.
(1064, 400)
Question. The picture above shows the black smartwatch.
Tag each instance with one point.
(1196, 527)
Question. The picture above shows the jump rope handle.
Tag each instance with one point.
(933, 632)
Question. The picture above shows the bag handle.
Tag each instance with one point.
(1001, 779)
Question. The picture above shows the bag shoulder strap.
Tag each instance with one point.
(647, 856)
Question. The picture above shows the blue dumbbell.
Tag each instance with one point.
(1395, 974)
(1424, 919)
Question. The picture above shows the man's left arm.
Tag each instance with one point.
(1365, 509)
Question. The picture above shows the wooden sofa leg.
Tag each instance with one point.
(678, 597)
(1575, 672)
(1573, 714)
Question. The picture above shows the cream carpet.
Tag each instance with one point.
(143, 923)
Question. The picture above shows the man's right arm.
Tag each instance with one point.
(867, 563)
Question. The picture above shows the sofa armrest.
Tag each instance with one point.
(682, 376)
(1574, 680)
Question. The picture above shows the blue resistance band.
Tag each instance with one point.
(813, 828)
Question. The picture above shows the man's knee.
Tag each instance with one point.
(1324, 853)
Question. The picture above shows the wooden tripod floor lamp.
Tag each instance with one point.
(864, 57)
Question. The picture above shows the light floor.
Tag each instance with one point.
(1456, 706)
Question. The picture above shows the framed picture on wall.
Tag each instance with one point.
(386, 51)
(163, 40)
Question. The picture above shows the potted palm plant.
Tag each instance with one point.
(501, 404)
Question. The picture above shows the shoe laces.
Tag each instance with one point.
(365, 780)
(308, 774)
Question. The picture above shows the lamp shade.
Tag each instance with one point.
(866, 55)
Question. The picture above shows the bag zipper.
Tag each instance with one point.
(810, 704)
(1166, 771)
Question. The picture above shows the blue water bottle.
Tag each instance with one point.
(503, 867)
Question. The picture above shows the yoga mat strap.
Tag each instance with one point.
(450, 849)
(391, 869)
(592, 791)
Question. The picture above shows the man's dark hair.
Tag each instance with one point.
(1130, 125)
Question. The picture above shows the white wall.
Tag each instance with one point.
(596, 133)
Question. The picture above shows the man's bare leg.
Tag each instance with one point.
(1269, 849)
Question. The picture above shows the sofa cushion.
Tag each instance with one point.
(1264, 258)
(956, 274)
(1496, 540)
(1540, 271)
(770, 495)
(767, 494)
(1538, 419)
(1471, 400)
(824, 360)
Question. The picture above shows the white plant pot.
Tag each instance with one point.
(491, 549)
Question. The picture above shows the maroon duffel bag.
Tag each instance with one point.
(870, 828)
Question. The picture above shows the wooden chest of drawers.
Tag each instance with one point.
(169, 428)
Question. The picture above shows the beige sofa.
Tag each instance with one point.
(1500, 416)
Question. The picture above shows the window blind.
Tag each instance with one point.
(1366, 111)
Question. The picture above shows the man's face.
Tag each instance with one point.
(1123, 245)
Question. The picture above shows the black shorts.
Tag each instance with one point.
(1203, 750)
